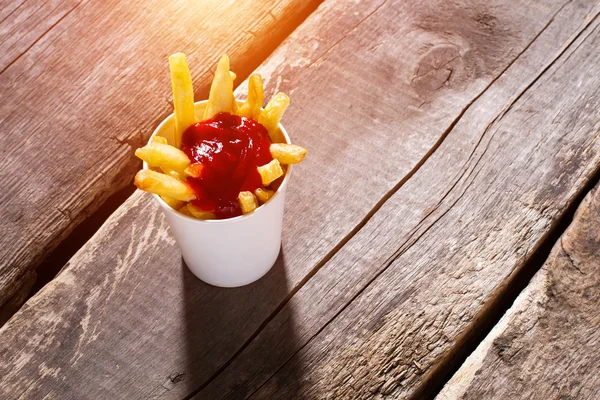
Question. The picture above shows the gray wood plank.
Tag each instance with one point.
(127, 317)
(91, 89)
(546, 345)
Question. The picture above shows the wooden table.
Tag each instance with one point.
(449, 145)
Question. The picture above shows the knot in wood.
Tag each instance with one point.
(438, 67)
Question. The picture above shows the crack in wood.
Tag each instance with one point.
(18, 7)
(568, 256)
(13, 11)
(41, 37)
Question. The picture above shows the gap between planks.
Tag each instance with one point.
(56, 260)
(491, 314)
(504, 300)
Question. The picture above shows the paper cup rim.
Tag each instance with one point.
(226, 220)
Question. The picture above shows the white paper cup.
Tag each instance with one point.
(228, 252)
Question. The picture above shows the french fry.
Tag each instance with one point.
(159, 139)
(163, 185)
(256, 96)
(263, 195)
(194, 170)
(149, 156)
(174, 174)
(221, 98)
(173, 203)
(287, 153)
(271, 115)
(198, 213)
(184, 210)
(183, 95)
(270, 172)
(163, 156)
(247, 201)
(234, 109)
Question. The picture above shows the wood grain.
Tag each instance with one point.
(546, 346)
(126, 317)
(92, 88)
(22, 24)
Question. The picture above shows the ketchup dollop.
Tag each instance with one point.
(229, 148)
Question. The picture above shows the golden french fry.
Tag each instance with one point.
(159, 139)
(173, 203)
(221, 98)
(263, 195)
(184, 210)
(287, 153)
(247, 201)
(256, 96)
(194, 170)
(270, 172)
(163, 185)
(233, 75)
(198, 213)
(273, 112)
(174, 174)
(183, 95)
(164, 156)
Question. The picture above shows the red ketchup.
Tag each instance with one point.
(229, 148)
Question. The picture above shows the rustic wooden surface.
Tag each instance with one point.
(473, 167)
(83, 84)
(23, 23)
(547, 345)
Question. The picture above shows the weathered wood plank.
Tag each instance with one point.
(144, 326)
(24, 23)
(92, 88)
(394, 305)
(546, 345)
